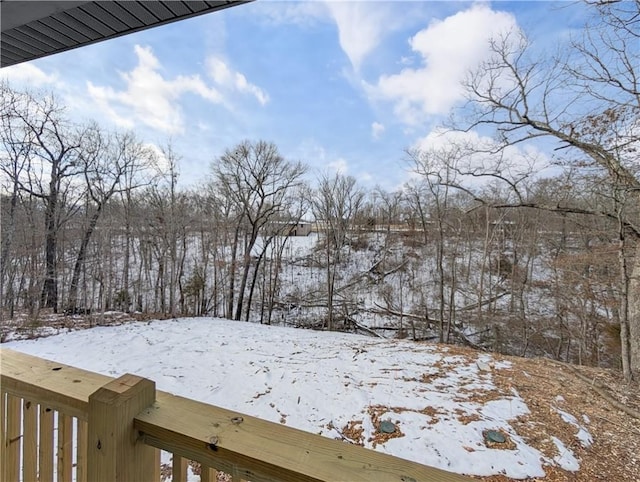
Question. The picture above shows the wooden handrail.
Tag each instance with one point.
(61, 387)
(241, 445)
(258, 450)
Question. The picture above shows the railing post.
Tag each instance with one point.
(115, 452)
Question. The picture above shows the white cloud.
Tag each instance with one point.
(377, 129)
(478, 159)
(361, 27)
(365, 178)
(361, 24)
(219, 71)
(149, 97)
(339, 166)
(234, 81)
(314, 154)
(406, 61)
(159, 160)
(27, 73)
(448, 49)
(203, 126)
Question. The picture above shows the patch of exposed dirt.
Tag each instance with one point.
(548, 387)
(376, 412)
(46, 323)
(466, 418)
(354, 431)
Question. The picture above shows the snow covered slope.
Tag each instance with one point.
(341, 386)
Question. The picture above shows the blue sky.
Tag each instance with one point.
(338, 85)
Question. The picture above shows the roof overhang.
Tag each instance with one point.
(31, 29)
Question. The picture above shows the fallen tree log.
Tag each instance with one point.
(484, 302)
(389, 311)
(363, 328)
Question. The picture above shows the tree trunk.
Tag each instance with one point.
(243, 285)
(82, 253)
(127, 254)
(633, 297)
(253, 282)
(50, 287)
(274, 278)
(330, 285)
(245, 273)
(440, 264)
(232, 273)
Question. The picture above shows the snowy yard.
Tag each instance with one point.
(440, 400)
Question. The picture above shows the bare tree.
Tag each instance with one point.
(259, 180)
(438, 169)
(335, 205)
(587, 101)
(16, 145)
(227, 219)
(49, 172)
(105, 162)
(174, 220)
(167, 228)
(140, 172)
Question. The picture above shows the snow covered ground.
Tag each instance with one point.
(336, 385)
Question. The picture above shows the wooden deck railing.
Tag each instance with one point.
(91, 428)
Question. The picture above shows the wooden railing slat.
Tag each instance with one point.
(157, 462)
(14, 437)
(3, 428)
(179, 469)
(45, 445)
(207, 474)
(29, 441)
(65, 448)
(81, 451)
